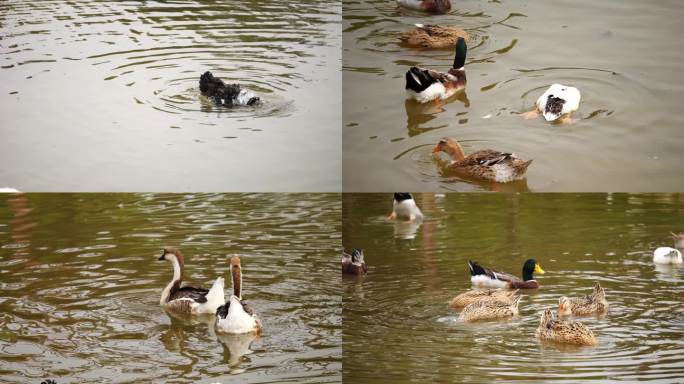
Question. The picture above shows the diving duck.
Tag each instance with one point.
(405, 208)
(353, 264)
(490, 310)
(564, 331)
(188, 299)
(559, 100)
(594, 303)
(667, 255)
(486, 164)
(227, 95)
(432, 6)
(424, 85)
(432, 36)
(236, 316)
(485, 277)
(473, 295)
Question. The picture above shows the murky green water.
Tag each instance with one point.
(622, 55)
(397, 327)
(90, 86)
(80, 285)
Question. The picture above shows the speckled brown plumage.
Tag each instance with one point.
(433, 36)
(474, 295)
(564, 331)
(593, 303)
(490, 310)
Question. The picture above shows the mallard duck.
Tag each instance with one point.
(667, 255)
(227, 95)
(564, 331)
(594, 303)
(236, 316)
(473, 295)
(405, 208)
(433, 6)
(559, 100)
(485, 277)
(486, 164)
(433, 36)
(353, 264)
(188, 299)
(490, 310)
(424, 85)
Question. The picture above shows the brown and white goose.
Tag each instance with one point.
(235, 316)
(189, 300)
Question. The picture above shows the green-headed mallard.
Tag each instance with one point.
(594, 303)
(405, 208)
(485, 277)
(433, 6)
(490, 310)
(432, 36)
(486, 164)
(424, 85)
(473, 295)
(559, 100)
(564, 331)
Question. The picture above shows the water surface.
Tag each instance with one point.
(92, 86)
(397, 327)
(627, 136)
(81, 283)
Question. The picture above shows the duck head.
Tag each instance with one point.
(172, 254)
(564, 306)
(530, 268)
(451, 147)
(460, 56)
(545, 320)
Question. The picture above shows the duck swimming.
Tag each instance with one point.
(667, 255)
(353, 264)
(235, 316)
(424, 85)
(227, 95)
(564, 331)
(432, 36)
(490, 310)
(485, 277)
(486, 164)
(432, 6)
(558, 101)
(405, 208)
(468, 297)
(188, 299)
(594, 303)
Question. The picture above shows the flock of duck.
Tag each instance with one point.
(496, 294)
(232, 317)
(426, 85)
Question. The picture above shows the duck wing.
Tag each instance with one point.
(477, 269)
(198, 295)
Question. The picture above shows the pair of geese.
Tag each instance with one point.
(233, 316)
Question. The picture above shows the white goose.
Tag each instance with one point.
(235, 316)
(405, 208)
(188, 299)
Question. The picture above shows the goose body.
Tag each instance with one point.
(485, 277)
(404, 207)
(227, 95)
(432, 36)
(667, 255)
(594, 303)
(235, 316)
(432, 6)
(189, 300)
(353, 264)
(486, 164)
(564, 331)
(490, 310)
(473, 295)
(557, 101)
(424, 85)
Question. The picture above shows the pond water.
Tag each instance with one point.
(397, 326)
(80, 286)
(618, 53)
(91, 86)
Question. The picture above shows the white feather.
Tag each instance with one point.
(237, 321)
(503, 173)
(434, 91)
(667, 255)
(407, 210)
(571, 95)
(412, 4)
(486, 281)
(244, 96)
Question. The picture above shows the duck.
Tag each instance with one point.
(188, 300)
(353, 264)
(667, 255)
(490, 310)
(404, 208)
(432, 36)
(425, 85)
(473, 295)
(432, 6)
(485, 277)
(236, 316)
(486, 164)
(564, 331)
(594, 303)
(558, 101)
(226, 95)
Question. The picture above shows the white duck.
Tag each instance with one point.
(667, 255)
(236, 317)
(405, 208)
(558, 101)
(188, 299)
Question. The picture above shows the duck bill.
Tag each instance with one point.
(437, 149)
(538, 269)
